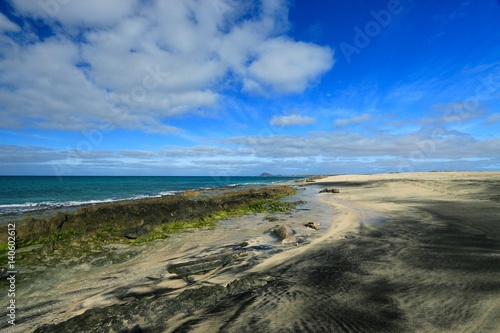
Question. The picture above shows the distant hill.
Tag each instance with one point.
(265, 174)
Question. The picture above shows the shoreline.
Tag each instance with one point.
(72, 205)
(136, 220)
(413, 252)
(252, 229)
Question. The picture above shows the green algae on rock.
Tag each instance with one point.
(79, 233)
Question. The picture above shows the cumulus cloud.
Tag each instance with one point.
(287, 66)
(136, 65)
(290, 120)
(354, 120)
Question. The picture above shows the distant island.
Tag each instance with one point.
(265, 174)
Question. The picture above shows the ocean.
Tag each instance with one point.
(20, 194)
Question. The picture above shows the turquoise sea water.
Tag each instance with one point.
(20, 194)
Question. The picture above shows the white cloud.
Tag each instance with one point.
(7, 25)
(438, 144)
(287, 66)
(137, 65)
(322, 152)
(7, 44)
(94, 13)
(354, 120)
(197, 152)
(292, 120)
(43, 87)
(17, 155)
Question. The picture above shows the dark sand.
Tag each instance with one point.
(404, 253)
(432, 264)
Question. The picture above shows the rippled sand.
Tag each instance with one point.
(396, 253)
(424, 256)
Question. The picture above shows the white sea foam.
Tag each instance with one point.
(166, 193)
(31, 206)
(10, 208)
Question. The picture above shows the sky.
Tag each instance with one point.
(236, 88)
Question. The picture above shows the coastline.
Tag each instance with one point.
(54, 194)
(62, 271)
(413, 252)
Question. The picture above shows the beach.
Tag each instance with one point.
(401, 252)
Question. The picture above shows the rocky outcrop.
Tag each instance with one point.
(330, 190)
(152, 313)
(143, 229)
(246, 283)
(113, 222)
(202, 265)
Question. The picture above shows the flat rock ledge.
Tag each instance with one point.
(152, 312)
(203, 265)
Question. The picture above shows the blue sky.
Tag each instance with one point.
(223, 87)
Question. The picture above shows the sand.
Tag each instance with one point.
(409, 252)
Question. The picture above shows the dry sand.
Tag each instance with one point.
(422, 254)
(413, 252)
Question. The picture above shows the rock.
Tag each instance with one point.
(3, 273)
(202, 265)
(313, 225)
(284, 232)
(154, 278)
(135, 329)
(204, 296)
(134, 233)
(330, 190)
(49, 247)
(84, 232)
(244, 284)
(154, 311)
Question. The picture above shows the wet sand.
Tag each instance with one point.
(396, 253)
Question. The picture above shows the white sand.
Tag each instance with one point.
(80, 289)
